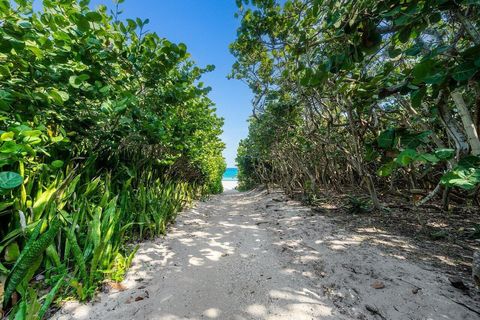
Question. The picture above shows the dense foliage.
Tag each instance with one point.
(107, 133)
(378, 95)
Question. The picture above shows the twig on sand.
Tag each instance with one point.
(374, 310)
(430, 196)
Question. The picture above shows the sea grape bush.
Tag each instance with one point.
(381, 95)
(106, 133)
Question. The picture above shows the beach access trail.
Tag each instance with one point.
(259, 255)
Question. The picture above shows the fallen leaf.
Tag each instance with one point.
(15, 298)
(110, 286)
(117, 286)
(378, 285)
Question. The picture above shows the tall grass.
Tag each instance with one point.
(78, 229)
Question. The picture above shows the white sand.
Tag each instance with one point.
(229, 185)
(254, 255)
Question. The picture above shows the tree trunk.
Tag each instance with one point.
(469, 126)
(453, 130)
(469, 27)
(358, 162)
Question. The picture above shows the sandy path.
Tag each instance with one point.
(258, 256)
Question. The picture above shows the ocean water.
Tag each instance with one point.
(231, 174)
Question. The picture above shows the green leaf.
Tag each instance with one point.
(423, 70)
(76, 81)
(445, 154)
(12, 252)
(402, 19)
(467, 180)
(3, 269)
(50, 296)
(386, 139)
(7, 136)
(22, 128)
(428, 158)
(464, 71)
(93, 16)
(370, 153)
(25, 25)
(436, 78)
(83, 77)
(466, 175)
(413, 140)
(404, 34)
(82, 23)
(31, 133)
(417, 97)
(73, 81)
(30, 253)
(394, 52)
(406, 157)
(57, 138)
(387, 169)
(10, 180)
(59, 97)
(10, 147)
(469, 162)
(5, 205)
(77, 254)
(21, 313)
(57, 164)
(6, 98)
(16, 43)
(413, 50)
(131, 24)
(36, 51)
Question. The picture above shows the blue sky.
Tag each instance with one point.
(207, 27)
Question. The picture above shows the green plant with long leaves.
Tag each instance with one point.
(106, 134)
